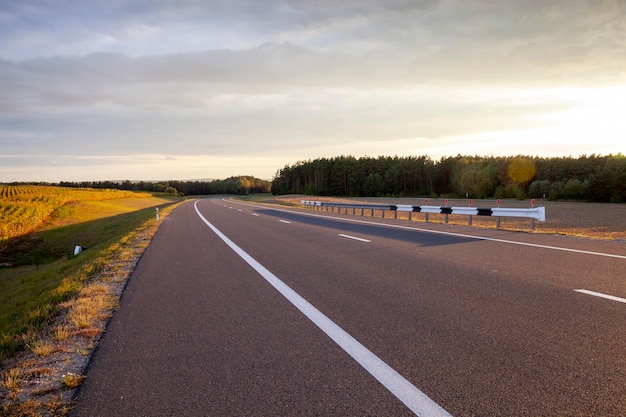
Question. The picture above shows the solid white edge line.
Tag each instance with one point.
(599, 294)
(440, 232)
(355, 238)
(405, 391)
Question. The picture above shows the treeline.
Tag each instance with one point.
(592, 178)
(233, 185)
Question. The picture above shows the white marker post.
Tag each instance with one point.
(157, 214)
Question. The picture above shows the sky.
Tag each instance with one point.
(198, 89)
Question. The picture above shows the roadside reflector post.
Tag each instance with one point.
(532, 221)
(157, 213)
(498, 218)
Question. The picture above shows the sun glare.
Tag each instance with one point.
(593, 123)
(598, 121)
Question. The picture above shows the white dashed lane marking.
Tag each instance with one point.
(599, 294)
(355, 238)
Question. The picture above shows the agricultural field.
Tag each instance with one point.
(23, 208)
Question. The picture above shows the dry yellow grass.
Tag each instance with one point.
(61, 333)
(42, 347)
(13, 378)
(93, 303)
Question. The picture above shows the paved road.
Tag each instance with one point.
(476, 322)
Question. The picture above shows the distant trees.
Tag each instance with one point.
(592, 178)
(233, 185)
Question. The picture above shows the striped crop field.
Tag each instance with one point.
(23, 208)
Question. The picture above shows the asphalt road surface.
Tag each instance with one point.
(243, 310)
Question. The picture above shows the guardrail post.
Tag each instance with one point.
(498, 222)
(426, 217)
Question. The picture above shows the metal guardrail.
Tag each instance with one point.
(534, 213)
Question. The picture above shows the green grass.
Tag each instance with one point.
(40, 271)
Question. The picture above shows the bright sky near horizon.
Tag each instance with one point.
(191, 89)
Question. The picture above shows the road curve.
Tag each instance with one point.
(481, 322)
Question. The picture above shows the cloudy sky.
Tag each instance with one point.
(189, 89)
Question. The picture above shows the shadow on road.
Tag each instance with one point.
(419, 237)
